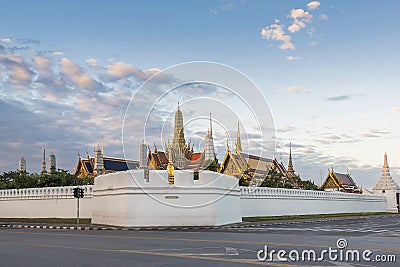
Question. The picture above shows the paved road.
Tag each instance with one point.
(235, 245)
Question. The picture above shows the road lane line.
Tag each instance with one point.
(155, 254)
(197, 240)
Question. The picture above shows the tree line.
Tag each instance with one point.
(276, 179)
(60, 177)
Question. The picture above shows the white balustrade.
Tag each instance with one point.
(44, 192)
(266, 192)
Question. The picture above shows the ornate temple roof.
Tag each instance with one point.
(345, 179)
(341, 182)
(85, 166)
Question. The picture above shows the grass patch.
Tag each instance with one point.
(312, 216)
(47, 220)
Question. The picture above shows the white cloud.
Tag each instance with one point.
(20, 75)
(91, 62)
(313, 5)
(275, 32)
(42, 63)
(58, 53)
(300, 18)
(396, 109)
(294, 90)
(6, 40)
(17, 69)
(122, 70)
(75, 73)
(323, 17)
(293, 58)
(374, 133)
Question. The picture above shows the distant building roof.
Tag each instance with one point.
(340, 182)
(85, 166)
(345, 179)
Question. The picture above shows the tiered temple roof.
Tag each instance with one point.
(86, 166)
(340, 182)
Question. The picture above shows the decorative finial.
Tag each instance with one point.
(238, 141)
(290, 164)
(385, 160)
(210, 125)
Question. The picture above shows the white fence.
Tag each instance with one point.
(44, 192)
(46, 202)
(262, 201)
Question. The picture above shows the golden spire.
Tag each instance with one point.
(170, 167)
(290, 165)
(238, 142)
(210, 125)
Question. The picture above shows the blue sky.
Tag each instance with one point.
(328, 69)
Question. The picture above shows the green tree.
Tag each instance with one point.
(243, 181)
(274, 178)
(18, 180)
(211, 165)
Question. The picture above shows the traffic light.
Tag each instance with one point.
(76, 192)
(81, 193)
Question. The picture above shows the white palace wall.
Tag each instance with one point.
(47, 202)
(280, 201)
(128, 199)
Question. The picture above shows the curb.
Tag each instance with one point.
(86, 228)
(228, 227)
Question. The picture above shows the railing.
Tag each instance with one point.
(44, 192)
(267, 192)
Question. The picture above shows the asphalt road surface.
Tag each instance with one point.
(375, 238)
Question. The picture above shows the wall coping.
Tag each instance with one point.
(44, 192)
(267, 192)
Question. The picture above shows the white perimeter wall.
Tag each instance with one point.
(279, 201)
(127, 199)
(47, 202)
(118, 199)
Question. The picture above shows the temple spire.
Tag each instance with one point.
(385, 161)
(290, 164)
(178, 140)
(52, 163)
(209, 150)
(44, 161)
(238, 141)
(210, 125)
(386, 181)
(22, 164)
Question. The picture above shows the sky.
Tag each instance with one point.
(328, 70)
